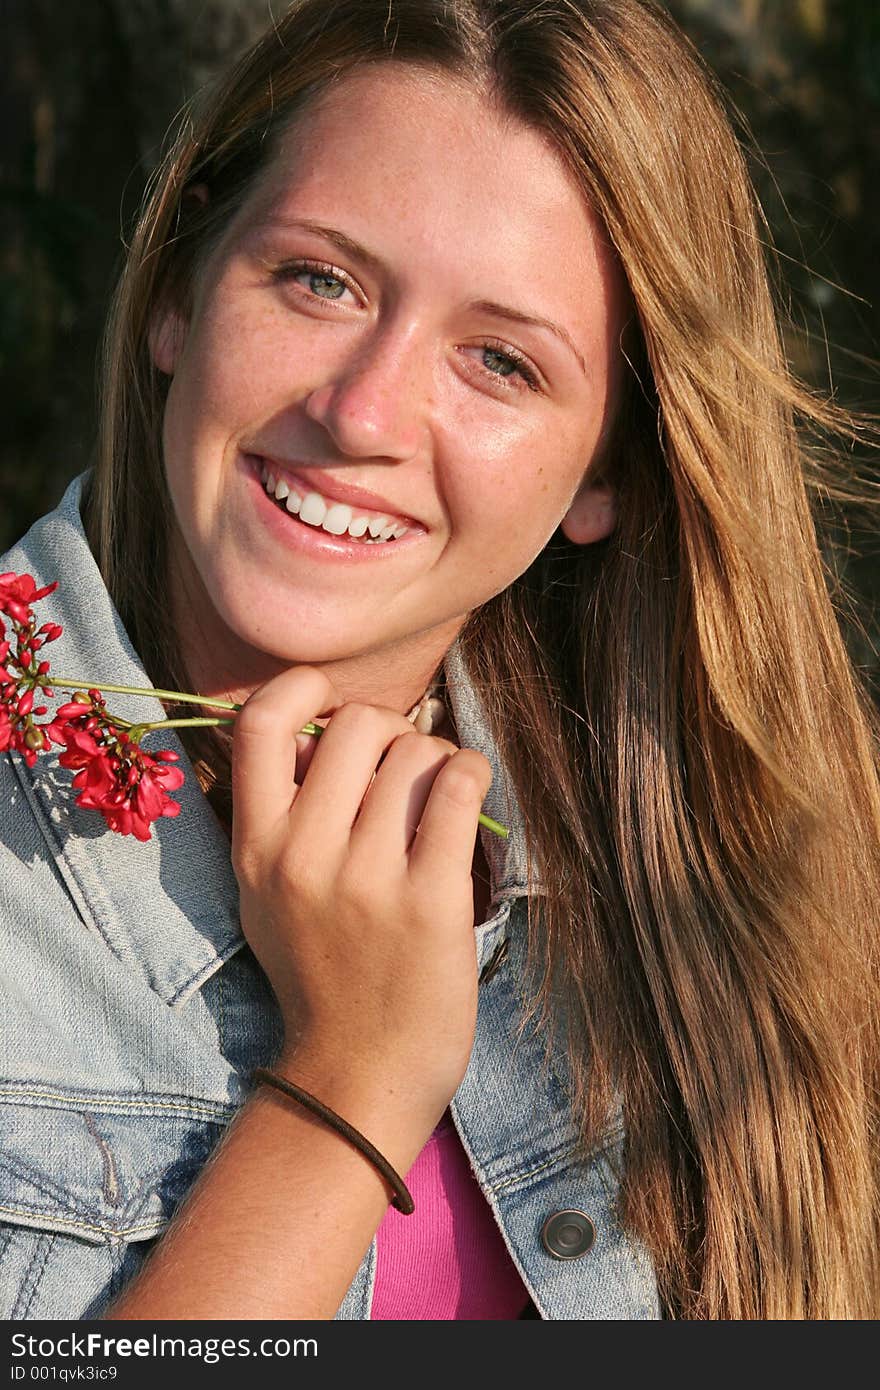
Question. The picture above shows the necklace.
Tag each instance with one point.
(429, 714)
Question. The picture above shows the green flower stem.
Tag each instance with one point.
(137, 731)
(177, 695)
(182, 698)
(493, 826)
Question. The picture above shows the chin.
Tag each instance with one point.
(291, 643)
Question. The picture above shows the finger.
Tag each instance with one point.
(341, 770)
(447, 830)
(264, 747)
(395, 802)
(306, 745)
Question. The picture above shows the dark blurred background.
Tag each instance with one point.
(92, 86)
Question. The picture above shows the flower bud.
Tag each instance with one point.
(72, 710)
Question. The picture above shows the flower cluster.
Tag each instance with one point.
(21, 673)
(114, 775)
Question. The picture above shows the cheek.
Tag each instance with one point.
(217, 393)
(518, 485)
(194, 442)
(177, 441)
(242, 362)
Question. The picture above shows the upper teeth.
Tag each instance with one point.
(335, 517)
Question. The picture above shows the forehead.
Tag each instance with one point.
(432, 155)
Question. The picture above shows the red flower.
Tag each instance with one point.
(114, 775)
(7, 731)
(18, 592)
(20, 674)
(22, 735)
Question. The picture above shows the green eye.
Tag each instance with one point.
(325, 286)
(314, 278)
(499, 362)
(508, 364)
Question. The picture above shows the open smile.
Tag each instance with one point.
(323, 527)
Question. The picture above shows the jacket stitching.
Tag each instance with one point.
(595, 1156)
(125, 1106)
(132, 1208)
(38, 1180)
(34, 796)
(193, 983)
(145, 1191)
(24, 1210)
(524, 1177)
(33, 1276)
(140, 1199)
(221, 1015)
(109, 1175)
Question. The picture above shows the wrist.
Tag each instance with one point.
(397, 1117)
(401, 1197)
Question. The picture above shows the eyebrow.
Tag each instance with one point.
(484, 306)
(502, 311)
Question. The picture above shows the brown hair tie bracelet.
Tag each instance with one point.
(402, 1201)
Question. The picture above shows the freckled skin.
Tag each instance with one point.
(390, 386)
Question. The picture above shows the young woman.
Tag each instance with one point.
(444, 381)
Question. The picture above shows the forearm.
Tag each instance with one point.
(377, 988)
(277, 1224)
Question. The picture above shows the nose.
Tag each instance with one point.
(372, 404)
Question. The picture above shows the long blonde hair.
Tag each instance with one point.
(694, 752)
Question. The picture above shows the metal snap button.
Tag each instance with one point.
(566, 1235)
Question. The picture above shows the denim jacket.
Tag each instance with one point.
(134, 1013)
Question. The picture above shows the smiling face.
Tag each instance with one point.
(415, 303)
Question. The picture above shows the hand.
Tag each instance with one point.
(353, 853)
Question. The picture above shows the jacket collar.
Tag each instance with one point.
(168, 908)
(507, 858)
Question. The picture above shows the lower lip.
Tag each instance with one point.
(312, 540)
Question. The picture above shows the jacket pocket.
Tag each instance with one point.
(87, 1180)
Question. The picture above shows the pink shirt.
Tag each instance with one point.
(448, 1259)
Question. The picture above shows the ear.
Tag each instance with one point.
(167, 327)
(592, 514)
(166, 338)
